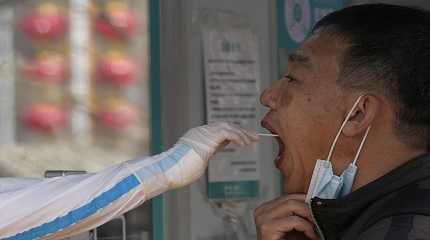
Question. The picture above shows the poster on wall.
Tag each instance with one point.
(232, 80)
(297, 17)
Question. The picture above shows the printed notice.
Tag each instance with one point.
(232, 80)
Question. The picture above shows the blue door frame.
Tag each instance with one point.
(154, 76)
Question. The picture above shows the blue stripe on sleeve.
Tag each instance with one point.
(104, 199)
(165, 163)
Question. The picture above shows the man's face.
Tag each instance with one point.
(306, 109)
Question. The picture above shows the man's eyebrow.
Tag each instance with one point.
(298, 58)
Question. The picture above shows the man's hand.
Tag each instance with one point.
(286, 217)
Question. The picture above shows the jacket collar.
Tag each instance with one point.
(334, 216)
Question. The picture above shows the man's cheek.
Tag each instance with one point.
(286, 99)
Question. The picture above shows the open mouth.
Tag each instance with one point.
(278, 159)
(281, 147)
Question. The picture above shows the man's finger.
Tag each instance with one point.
(279, 227)
(287, 208)
(275, 202)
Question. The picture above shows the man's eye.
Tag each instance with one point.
(290, 79)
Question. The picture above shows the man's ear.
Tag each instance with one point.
(362, 116)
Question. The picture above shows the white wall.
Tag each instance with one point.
(188, 214)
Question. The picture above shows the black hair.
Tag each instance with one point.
(388, 52)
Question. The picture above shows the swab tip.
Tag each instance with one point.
(268, 135)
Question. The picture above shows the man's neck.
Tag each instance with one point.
(383, 160)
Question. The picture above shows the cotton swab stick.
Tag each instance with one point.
(268, 135)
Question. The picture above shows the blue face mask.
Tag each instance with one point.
(324, 183)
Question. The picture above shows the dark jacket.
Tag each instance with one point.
(395, 207)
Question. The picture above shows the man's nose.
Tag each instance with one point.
(268, 97)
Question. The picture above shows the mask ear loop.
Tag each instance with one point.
(333, 145)
(361, 145)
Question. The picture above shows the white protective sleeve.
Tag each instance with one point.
(59, 207)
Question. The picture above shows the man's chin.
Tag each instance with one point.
(286, 189)
(280, 164)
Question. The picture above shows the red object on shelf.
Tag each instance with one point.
(50, 68)
(45, 22)
(116, 69)
(117, 115)
(44, 117)
(117, 22)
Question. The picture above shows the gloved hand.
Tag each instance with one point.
(188, 159)
(205, 141)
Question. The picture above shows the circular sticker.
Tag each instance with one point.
(297, 19)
